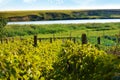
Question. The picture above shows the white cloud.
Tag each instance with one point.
(79, 5)
(56, 1)
(29, 1)
(1, 1)
(63, 7)
(82, 2)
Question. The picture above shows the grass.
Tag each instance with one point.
(75, 30)
(93, 30)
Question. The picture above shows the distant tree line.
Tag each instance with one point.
(85, 14)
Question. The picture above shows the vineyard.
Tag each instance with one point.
(88, 52)
(20, 60)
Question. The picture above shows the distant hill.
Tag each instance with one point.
(60, 14)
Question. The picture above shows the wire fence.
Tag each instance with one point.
(105, 40)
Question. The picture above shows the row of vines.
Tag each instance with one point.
(56, 61)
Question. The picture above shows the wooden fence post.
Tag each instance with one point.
(98, 40)
(6, 40)
(50, 40)
(1, 41)
(74, 40)
(119, 40)
(35, 40)
(40, 40)
(84, 39)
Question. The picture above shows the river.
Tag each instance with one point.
(68, 21)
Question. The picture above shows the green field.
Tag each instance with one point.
(107, 31)
(62, 30)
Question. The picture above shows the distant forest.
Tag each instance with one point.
(60, 15)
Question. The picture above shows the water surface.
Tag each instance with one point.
(68, 21)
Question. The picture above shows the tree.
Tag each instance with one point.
(3, 23)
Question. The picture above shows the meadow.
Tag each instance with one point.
(92, 31)
(96, 29)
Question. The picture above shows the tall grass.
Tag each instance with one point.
(94, 29)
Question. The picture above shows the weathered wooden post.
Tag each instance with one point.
(40, 39)
(35, 41)
(98, 40)
(50, 40)
(74, 40)
(6, 40)
(84, 39)
(119, 40)
(1, 41)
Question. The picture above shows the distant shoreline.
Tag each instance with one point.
(67, 21)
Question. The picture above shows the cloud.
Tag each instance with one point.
(1, 1)
(83, 2)
(79, 2)
(55, 4)
(56, 1)
(29, 1)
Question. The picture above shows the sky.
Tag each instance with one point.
(12, 5)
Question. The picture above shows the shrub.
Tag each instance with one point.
(3, 22)
(83, 62)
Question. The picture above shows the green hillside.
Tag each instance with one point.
(60, 14)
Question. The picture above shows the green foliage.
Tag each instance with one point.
(55, 61)
(95, 29)
(83, 62)
(114, 50)
(3, 23)
(20, 60)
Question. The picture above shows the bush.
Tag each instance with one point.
(56, 61)
(114, 50)
(22, 61)
(3, 22)
(83, 62)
